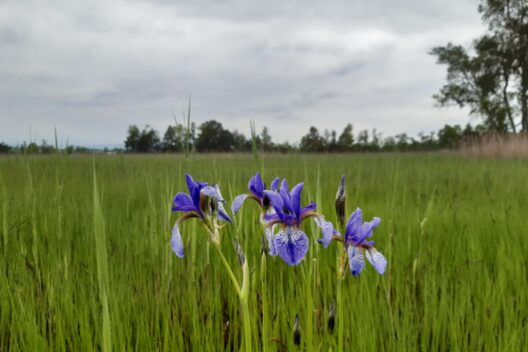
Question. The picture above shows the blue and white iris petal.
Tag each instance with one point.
(290, 242)
(257, 190)
(202, 202)
(358, 246)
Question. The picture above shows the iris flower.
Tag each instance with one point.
(203, 202)
(291, 243)
(257, 193)
(358, 246)
(257, 190)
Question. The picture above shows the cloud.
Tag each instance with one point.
(286, 64)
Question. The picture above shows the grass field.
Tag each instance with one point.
(84, 269)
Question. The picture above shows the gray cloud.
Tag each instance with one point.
(92, 69)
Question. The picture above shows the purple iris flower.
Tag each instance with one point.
(257, 189)
(291, 243)
(357, 244)
(203, 202)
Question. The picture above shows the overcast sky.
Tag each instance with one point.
(91, 68)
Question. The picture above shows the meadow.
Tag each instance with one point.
(86, 264)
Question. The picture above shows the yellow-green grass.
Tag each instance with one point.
(85, 262)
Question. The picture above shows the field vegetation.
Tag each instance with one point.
(86, 264)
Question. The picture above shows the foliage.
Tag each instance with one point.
(174, 139)
(213, 137)
(452, 228)
(312, 142)
(4, 148)
(346, 139)
(493, 81)
(145, 141)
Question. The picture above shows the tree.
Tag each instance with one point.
(149, 141)
(474, 81)
(402, 141)
(363, 137)
(346, 138)
(267, 144)
(132, 140)
(331, 143)
(145, 141)
(173, 139)
(389, 144)
(427, 141)
(312, 142)
(449, 136)
(493, 81)
(375, 141)
(4, 148)
(213, 137)
(508, 21)
(240, 142)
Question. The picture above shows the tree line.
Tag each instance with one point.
(211, 136)
(45, 148)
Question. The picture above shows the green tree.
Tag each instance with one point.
(132, 140)
(4, 148)
(507, 20)
(363, 137)
(145, 141)
(213, 137)
(312, 142)
(240, 142)
(331, 142)
(267, 144)
(493, 82)
(345, 141)
(449, 136)
(173, 139)
(149, 141)
(474, 81)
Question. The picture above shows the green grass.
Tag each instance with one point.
(86, 262)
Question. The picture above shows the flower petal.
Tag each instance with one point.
(353, 226)
(285, 195)
(194, 190)
(366, 232)
(237, 203)
(356, 260)
(222, 213)
(210, 191)
(269, 217)
(276, 202)
(269, 231)
(190, 183)
(183, 202)
(327, 229)
(291, 245)
(310, 207)
(295, 195)
(256, 186)
(176, 241)
(275, 184)
(377, 260)
(369, 226)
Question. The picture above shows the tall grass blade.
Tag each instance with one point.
(102, 264)
(254, 143)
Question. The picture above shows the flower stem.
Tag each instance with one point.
(264, 303)
(340, 317)
(244, 298)
(229, 271)
(341, 262)
(308, 333)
